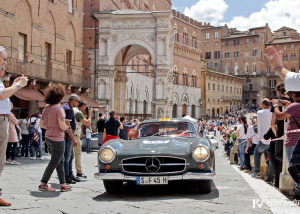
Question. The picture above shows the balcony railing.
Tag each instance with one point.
(39, 72)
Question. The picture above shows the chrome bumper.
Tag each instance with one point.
(186, 176)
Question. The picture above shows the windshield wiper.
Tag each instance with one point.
(155, 134)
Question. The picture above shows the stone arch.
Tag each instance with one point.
(176, 98)
(185, 99)
(128, 42)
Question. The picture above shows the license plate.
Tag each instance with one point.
(152, 180)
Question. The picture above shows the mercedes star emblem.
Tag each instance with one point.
(152, 165)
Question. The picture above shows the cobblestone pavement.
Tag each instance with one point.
(20, 182)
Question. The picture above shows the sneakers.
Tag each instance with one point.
(256, 175)
(46, 188)
(247, 170)
(65, 188)
(42, 158)
(81, 175)
(14, 163)
(47, 154)
(32, 158)
(7, 161)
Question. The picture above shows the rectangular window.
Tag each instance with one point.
(226, 88)
(214, 87)
(222, 88)
(217, 54)
(227, 43)
(236, 54)
(184, 39)
(70, 7)
(194, 43)
(272, 83)
(268, 70)
(226, 70)
(292, 47)
(22, 46)
(208, 86)
(207, 36)
(250, 87)
(236, 42)
(207, 55)
(296, 36)
(194, 82)
(47, 56)
(175, 78)
(236, 70)
(254, 53)
(176, 37)
(284, 47)
(216, 64)
(218, 87)
(230, 89)
(227, 55)
(185, 80)
(254, 68)
(68, 60)
(247, 41)
(255, 40)
(216, 35)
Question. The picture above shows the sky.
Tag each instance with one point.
(243, 14)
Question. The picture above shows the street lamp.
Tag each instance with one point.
(10, 44)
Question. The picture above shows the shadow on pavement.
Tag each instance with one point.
(45, 194)
(133, 192)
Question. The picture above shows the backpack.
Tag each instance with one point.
(33, 133)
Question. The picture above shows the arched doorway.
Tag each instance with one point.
(124, 36)
(174, 111)
(183, 110)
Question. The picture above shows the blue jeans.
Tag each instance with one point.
(88, 144)
(261, 148)
(39, 147)
(289, 152)
(25, 145)
(69, 156)
(242, 147)
(247, 156)
(14, 147)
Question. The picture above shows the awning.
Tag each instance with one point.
(29, 94)
(90, 103)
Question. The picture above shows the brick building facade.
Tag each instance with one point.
(44, 40)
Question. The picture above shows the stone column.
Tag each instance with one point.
(120, 92)
(286, 185)
(105, 81)
(161, 92)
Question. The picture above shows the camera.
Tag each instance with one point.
(87, 110)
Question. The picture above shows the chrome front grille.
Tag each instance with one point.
(153, 165)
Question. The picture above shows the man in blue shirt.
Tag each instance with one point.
(126, 126)
(5, 106)
(70, 140)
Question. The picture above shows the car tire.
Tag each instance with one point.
(204, 186)
(113, 187)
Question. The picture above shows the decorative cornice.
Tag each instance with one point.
(59, 36)
(38, 27)
(35, 56)
(57, 62)
(7, 14)
(78, 11)
(78, 44)
(64, 2)
(76, 67)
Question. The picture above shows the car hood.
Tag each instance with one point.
(161, 143)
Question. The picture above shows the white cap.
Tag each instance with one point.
(292, 81)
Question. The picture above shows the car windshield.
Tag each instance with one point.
(174, 129)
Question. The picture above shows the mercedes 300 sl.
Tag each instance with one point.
(161, 151)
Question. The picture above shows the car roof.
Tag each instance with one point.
(167, 120)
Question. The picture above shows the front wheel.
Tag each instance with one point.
(204, 186)
(113, 187)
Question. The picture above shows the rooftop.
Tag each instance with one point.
(285, 28)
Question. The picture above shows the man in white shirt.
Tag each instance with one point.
(252, 141)
(264, 118)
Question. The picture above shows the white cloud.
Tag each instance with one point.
(207, 9)
(276, 13)
(174, 7)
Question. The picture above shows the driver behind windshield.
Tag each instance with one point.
(153, 129)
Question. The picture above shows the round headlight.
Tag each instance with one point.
(200, 153)
(107, 155)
